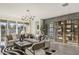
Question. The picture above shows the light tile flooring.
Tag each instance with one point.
(64, 49)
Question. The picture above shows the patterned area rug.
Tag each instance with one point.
(13, 51)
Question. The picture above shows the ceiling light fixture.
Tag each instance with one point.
(65, 4)
(28, 16)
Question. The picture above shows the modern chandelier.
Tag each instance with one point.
(28, 16)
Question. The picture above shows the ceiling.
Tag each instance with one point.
(41, 10)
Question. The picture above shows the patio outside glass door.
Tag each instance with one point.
(12, 27)
(3, 30)
(20, 27)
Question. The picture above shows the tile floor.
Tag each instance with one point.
(64, 49)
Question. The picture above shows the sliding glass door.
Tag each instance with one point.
(12, 27)
(3, 29)
(20, 27)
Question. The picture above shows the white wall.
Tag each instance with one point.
(33, 25)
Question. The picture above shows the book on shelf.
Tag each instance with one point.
(68, 21)
(59, 30)
(68, 30)
(68, 35)
(75, 26)
(62, 23)
(68, 26)
(60, 37)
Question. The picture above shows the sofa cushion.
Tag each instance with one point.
(39, 45)
(9, 37)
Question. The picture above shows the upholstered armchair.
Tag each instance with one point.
(36, 49)
(10, 39)
(45, 39)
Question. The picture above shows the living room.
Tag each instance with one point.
(39, 29)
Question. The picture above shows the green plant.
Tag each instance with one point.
(44, 28)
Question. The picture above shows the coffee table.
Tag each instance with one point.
(31, 40)
(23, 44)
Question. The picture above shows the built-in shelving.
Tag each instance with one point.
(67, 31)
(60, 31)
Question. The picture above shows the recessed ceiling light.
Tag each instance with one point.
(27, 10)
(65, 4)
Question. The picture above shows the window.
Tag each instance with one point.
(3, 26)
(12, 27)
(20, 27)
(51, 30)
